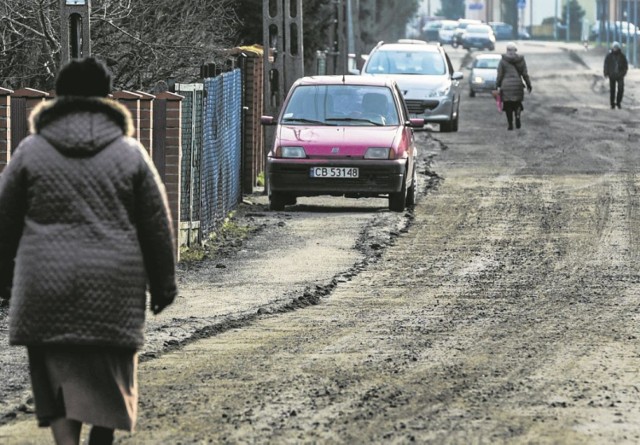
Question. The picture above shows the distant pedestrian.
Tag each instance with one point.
(512, 78)
(84, 230)
(615, 68)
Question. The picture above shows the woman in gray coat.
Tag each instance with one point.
(511, 80)
(84, 232)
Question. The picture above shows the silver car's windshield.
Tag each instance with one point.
(341, 105)
(406, 62)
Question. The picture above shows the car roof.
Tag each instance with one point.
(409, 45)
(339, 79)
(488, 56)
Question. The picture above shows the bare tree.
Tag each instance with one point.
(143, 41)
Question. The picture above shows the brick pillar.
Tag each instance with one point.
(5, 127)
(146, 120)
(32, 97)
(131, 102)
(173, 156)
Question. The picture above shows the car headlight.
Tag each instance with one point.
(379, 153)
(441, 91)
(290, 152)
(478, 79)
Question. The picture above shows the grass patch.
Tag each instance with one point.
(225, 239)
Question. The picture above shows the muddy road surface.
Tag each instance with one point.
(503, 310)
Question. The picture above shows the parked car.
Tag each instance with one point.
(484, 70)
(343, 136)
(431, 30)
(478, 36)
(502, 31)
(426, 77)
(445, 34)
(462, 25)
(620, 30)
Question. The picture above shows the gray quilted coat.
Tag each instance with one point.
(84, 229)
(512, 76)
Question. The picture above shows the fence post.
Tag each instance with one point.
(146, 120)
(5, 127)
(131, 102)
(173, 157)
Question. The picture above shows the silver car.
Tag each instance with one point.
(484, 70)
(425, 76)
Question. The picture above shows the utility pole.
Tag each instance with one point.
(75, 29)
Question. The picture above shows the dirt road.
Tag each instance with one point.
(504, 309)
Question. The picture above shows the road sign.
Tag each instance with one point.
(522, 4)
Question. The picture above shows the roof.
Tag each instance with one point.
(403, 45)
(488, 56)
(346, 80)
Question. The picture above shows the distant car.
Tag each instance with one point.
(426, 77)
(445, 34)
(431, 30)
(478, 36)
(462, 26)
(343, 136)
(484, 70)
(620, 30)
(502, 31)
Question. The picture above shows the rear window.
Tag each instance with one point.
(341, 105)
(486, 63)
(406, 62)
(479, 29)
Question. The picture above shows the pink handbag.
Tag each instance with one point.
(496, 94)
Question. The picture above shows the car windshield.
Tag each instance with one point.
(341, 105)
(406, 62)
(487, 63)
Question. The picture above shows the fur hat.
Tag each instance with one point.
(86, 77)
(615, 45)
(512, 46)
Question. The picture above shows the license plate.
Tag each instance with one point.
(334, 172)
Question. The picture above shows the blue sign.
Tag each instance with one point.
(522, 4)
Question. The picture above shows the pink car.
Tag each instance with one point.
(343, 136)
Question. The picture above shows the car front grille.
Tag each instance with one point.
(420, 106)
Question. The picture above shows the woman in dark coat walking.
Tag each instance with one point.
(84, 231)
(511, 80)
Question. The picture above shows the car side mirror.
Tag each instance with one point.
(457, 75)
(267, 120)
(416, 122)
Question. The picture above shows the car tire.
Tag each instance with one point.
(412, 191)
(398, 200)
(277, 201)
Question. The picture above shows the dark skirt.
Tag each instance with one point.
(93, 385)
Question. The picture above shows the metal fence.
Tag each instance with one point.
(211, 153)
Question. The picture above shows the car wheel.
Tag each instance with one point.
(277, 201)
(398, 200)
(412, 190)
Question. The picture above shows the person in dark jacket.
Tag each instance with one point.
(511, 80)
(615, 68)
(85, 230)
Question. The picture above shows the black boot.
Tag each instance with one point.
(518, 124)
(510, 121)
